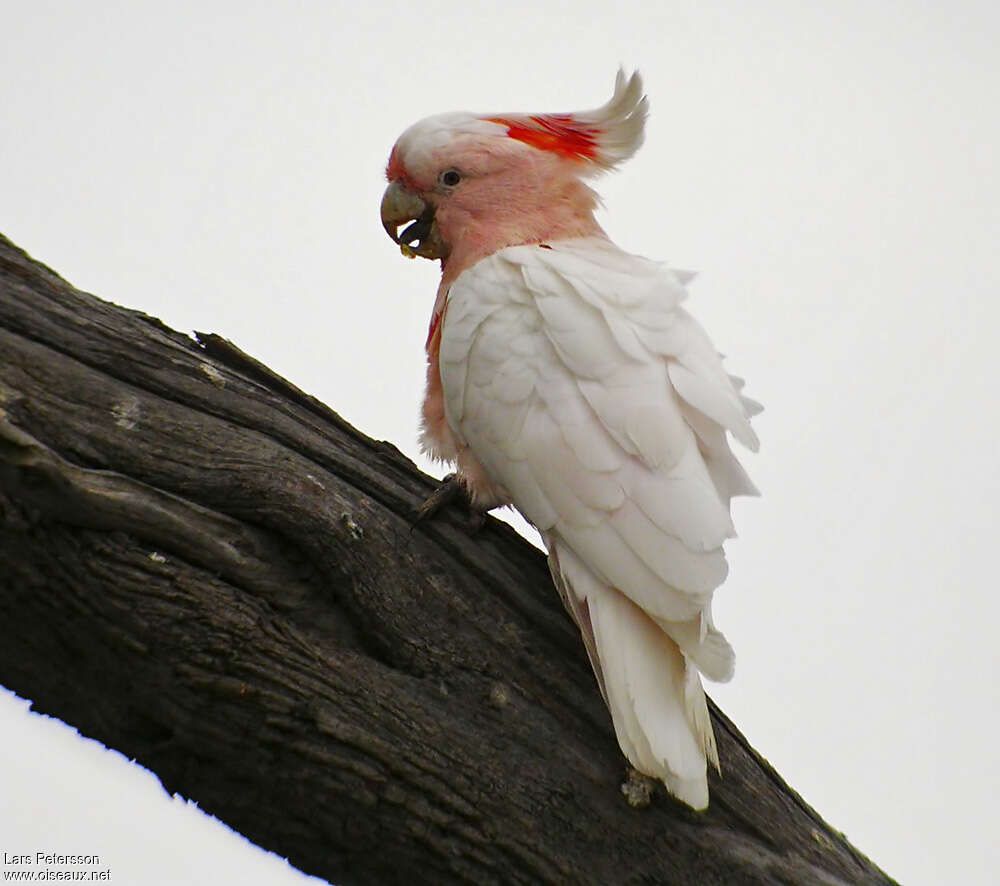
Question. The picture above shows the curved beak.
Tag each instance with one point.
(400, 206)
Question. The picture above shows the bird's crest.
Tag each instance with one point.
(603, 137)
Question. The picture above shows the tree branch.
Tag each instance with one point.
(212, 572)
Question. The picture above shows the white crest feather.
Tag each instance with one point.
(621, 121)
(599, 139)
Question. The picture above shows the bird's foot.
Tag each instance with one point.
(638, 788)
(452, 491)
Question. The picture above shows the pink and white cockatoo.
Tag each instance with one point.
(564, 378)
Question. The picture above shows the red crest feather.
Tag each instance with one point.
(558, 133)
(603, 137)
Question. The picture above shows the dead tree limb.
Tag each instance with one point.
(212, 572)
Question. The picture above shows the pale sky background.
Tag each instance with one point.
(831, 169)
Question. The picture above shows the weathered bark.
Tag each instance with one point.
(212, 572)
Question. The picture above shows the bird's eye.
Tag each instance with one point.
(450, 178)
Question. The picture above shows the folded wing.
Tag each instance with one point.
(596, 401)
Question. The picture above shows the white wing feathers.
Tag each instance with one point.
(600, 407)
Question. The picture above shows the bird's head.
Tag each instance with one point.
(462, 186)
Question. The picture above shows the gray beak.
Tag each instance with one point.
(400, 206)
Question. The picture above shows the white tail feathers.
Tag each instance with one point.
(704, 645)
(651, 688)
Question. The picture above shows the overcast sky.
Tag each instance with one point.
(829, 168)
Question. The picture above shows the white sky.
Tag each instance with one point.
(830, 169)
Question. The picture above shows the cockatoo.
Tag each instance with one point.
(565, 378)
